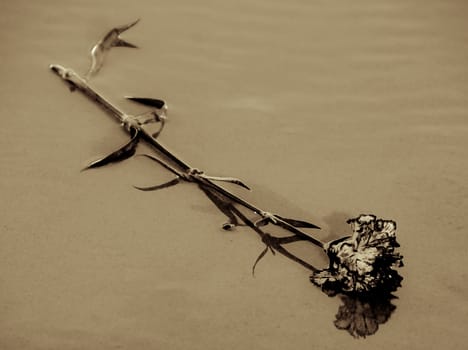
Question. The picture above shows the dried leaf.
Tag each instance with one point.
(170, 183)
(298, 223)
(262, 254)
(151, 102)
(124, 152)
(110, 40)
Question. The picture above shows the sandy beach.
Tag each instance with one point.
(327, 110)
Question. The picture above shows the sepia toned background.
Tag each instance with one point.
(326, 109)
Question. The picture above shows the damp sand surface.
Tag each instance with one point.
(326, 109)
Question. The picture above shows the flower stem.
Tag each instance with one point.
(129, 121)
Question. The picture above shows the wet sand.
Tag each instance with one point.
(327, 110)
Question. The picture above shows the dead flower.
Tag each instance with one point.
(365, 262)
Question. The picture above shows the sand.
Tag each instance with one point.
(326, 109)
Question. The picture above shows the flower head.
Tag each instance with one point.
(365, 262)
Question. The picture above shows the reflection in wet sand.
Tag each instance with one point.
(362, 315)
